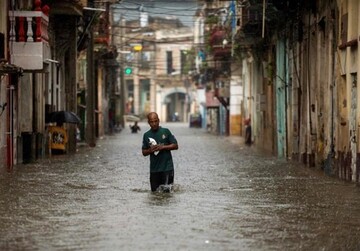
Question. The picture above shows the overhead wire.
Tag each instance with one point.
(130, 13)
(131, 9)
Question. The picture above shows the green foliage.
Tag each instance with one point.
(212, 20)
(190, 61)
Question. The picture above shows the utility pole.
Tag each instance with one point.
(122, 77)
(70, 84)
(153, 79)
(90, 136)
(90, 92)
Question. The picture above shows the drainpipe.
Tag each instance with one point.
(263, 19)
(10, 127)
(286, 88)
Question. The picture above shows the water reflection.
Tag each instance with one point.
(224, 198)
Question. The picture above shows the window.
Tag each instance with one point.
(145, 60)
(183, 55)
(169, 63)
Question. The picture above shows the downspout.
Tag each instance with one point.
(9, 141)
(286, 83)
(10, 126)
(263, 19)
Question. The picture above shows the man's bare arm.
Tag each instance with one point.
(155, 148)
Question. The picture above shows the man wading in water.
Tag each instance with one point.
(158, 142)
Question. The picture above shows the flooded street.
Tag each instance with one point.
(227, 197)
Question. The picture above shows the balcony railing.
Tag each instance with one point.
(29, 38)
(219, 45)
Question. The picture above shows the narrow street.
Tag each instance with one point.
(227, 197)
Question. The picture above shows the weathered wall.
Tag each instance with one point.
(3, 85)
(236, 100)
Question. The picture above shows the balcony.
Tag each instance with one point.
(219, 45)
(29, 40)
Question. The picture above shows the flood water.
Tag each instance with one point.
(227, 197)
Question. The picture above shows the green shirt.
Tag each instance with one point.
(161, 161)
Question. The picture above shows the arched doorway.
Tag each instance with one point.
(176, 107)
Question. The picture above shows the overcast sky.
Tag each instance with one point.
(183, 9)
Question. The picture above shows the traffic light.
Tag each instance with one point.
(128, 70)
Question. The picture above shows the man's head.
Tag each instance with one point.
(153, 120)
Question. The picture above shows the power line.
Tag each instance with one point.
(181, 9)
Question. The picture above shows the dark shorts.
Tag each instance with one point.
(161, 178)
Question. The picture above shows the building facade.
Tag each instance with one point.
(294, 75)
(158, 55)
(40, 41)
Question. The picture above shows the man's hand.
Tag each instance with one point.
(156, 148)
(159, 147)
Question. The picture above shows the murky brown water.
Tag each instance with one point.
(227, 197)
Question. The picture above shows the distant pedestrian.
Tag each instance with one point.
(175, 117)
(248, 140)
(158, 142)
(135, 128)
(111, 120)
